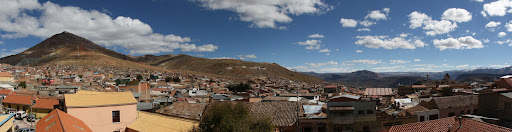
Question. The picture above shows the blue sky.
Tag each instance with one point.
(306, 35)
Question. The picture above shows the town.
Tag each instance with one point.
(84, 98)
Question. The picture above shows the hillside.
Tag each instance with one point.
(225, 67)
(366, 78)
(68, 49)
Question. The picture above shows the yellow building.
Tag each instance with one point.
(7, 123)
(23, 102)
(151, 122)
(6, 77)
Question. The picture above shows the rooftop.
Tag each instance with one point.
(449, 124)
(151, 122)
(92, 99)
(59, 121)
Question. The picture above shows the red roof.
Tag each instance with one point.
(332, 86)
(161, 89)
(449, 124)
(59, 121)
(46, 103)
(18, 99)
(5, 91)
(6, 74)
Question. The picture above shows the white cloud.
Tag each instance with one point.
(389, 43)
(223, 58)
(266, 13)
(417, 59)
(492, 24)
(378, 15)
(311, 44)
(457, 15)
(348, 22)
(497, 8)
(362, 61)
(366, 23)
(359, 51)
(435, 27)
(479, 0)
(466, 42)
(363, 29)
(506, 41)
(403, 35)
(498, 66)
(324, 51)
(486, 40)
(462, 66)
(5, 52)
(249, 56)
(322, 64)
(398, 61)
(508, 25)
(502, 34)
(31, 18)
(316, 36)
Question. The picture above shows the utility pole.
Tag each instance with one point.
(32, 101)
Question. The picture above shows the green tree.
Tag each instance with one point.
(139, 77)
(240, 87)
(176, 79)
(232, 117)
(168, 79)
(22, 85)
(447, 91)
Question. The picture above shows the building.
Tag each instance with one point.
(453, 105)
(423, 114)
(102, 111)
(7, 123)
(283, 114)
(59, 121)
(22, 103)
(504, 82)
(44, 106)
(332, 89)
(6, 77)
(192, 111)
(496, 105)
(350, 113)
(450, 124)
(151, 122)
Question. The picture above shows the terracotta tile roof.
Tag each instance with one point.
(91, 99)
(18, 99)
(6, 74)
(282, 113)
(151, 122)
(450, 124)
(5, 91)
(378, 91)
(455, 101)
(59, 121)
(46, 103)
(414, 109)
(184, 110)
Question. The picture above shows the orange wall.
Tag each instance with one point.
(99, 119)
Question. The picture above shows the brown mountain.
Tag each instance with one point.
(68, 49)
(226, 67)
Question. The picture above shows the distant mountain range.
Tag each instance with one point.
(68, 49)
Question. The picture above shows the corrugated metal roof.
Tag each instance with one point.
(378, 91)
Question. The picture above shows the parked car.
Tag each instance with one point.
(20, 115)
(11, 111)
(31, 118)
(25, 130)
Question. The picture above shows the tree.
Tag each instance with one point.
(240, 87)
(168, 79)
(176, 79)
(139, 77)
(22, 84)
(231, 117)
(447, 91)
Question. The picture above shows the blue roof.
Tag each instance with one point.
(6, 119)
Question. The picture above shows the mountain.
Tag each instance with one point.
(366, 78)
(68, 49)
(477, 77)
(226, 67)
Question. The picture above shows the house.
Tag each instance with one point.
(378, 92)
(283, 114)
(453, 105)
(496, 105)
(151, 122)
(102, 111)
(450, 124)
(44, 106)
(6, 77)
(5, 92)
(423, 114)
(224, 97)
(504, 82)
(332, 89)
(160, 91)
(7, 123)
(351, 113)
(63, 89)
(184, 110)
(6, 86)
(22, 103)
(59, 121)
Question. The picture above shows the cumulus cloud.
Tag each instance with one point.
(311, 44)
(466, 42)
(362, 61)
(249, 56)
(389, 43)
(509, 26)
(417, 60)
(502, 34)
(497, 8)
(359, 51)
(316, 36)
(398, 61)
(322, 64)
(486, 40)
(348, 22)
(223, 58)
(5, 52)
(491, 26)
(266, 13)
(31, 18)
(479, 0)
(366, 23)
(457, 15)
(434, 27)
(325, 51)
(363, 29)
(378, 15)
(506, 41)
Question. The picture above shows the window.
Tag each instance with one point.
(115, 116)
(507, 106)
(433, 117)
(366, 128)
(369, 111)
(451, 114)
(361, 112)
(422, 118)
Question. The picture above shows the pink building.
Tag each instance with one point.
(102, 111)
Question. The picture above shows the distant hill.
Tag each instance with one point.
(366, 78)
(68, 49)
(477, 77)
(226, 67)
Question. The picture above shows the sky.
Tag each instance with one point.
(325, 36)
